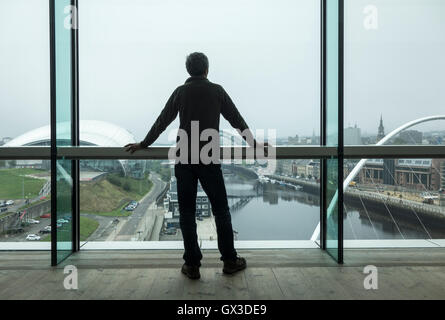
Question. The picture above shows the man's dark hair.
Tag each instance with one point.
(197, 64)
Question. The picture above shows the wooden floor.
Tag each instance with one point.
(271, 274)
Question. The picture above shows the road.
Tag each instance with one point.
(130, 228)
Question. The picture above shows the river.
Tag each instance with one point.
(279, 213)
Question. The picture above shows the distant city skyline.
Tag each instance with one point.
(354, 134)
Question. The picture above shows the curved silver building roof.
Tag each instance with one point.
(93, 132)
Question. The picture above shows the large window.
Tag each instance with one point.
(393, 77)
(265, 54)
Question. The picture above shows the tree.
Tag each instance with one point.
(12, 163)
(127, 186)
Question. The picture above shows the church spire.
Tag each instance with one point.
(381, 131)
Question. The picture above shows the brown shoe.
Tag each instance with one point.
(232, 266)
(191, 271)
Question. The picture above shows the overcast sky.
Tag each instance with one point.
(266, 54)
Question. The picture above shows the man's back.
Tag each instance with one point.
(201, 102)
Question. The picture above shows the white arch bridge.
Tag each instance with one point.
(362, 162)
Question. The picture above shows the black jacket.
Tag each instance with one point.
(197, 100)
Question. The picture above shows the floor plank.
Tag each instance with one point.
(168, 285)
(292, 282)
(322, 285)
(139, 285)
(202, 289)
(271, 274)
(230, 287)
(262, 284)
(25, 285)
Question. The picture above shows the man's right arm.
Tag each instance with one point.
(166, 117)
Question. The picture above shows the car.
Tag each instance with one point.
(9, 202)
(58, 225)
(33, 221)
(129, 208)
(170, 231)
(62, 221)
(2, 204)
(134, 203)
(32, 237)
(3, 210)
(46, 229)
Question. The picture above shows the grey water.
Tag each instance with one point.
(273, 212)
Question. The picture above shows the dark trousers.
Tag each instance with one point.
(212, 181)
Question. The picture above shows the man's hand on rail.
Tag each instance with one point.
(264, 146)
(133, 147)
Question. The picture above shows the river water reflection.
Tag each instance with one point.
(272, 212)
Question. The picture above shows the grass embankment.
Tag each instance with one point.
(87, 227)
(14, 184)
(108, 196)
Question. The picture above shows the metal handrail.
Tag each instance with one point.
(282, 152)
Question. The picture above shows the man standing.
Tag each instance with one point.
(200, 101)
